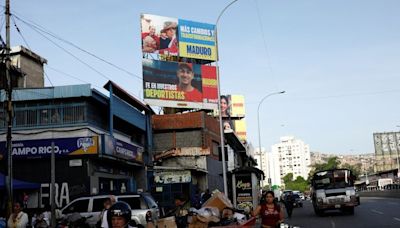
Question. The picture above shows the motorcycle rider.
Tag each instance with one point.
(119, 215)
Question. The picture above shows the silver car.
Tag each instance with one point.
(92, 206)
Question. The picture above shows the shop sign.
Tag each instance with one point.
(172, 177)
(244, 192)
(43, 147)
(123, 150)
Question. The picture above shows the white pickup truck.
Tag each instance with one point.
(333, 189)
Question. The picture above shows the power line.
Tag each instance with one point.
(71, 76)
(44, 30)
(26, 43)
(69, 53)
(269, 62)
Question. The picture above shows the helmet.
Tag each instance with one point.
(119, 209)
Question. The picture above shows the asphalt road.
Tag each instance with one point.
(373, 212)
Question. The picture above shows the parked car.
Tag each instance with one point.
(91, 207)
(298, 202)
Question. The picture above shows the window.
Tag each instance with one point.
(98, 204)
(134, 201)
(150, 202)
(79, 206)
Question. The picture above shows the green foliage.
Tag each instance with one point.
(298, 184)
(332, 163)
(355, 169)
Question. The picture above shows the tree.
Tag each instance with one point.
(355, 169)
(332, 163)
(299, 183)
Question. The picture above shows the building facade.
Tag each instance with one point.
(293, 155)
(102, 144)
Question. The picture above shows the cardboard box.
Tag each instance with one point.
(218, 200)
(196, 223)
(168, 222)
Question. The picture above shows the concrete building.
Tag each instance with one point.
(188, 158)
(26, 69)
(261, 158)
(270, 166)
(293, 155)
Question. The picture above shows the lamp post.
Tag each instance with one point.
(219, 102)
(259, 135)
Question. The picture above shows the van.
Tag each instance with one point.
(92, 206)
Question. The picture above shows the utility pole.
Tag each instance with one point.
(9, 178)
(53, 187)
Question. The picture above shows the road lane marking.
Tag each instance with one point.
(378, 212)
(333, 224)
(393, 203)
(397, 219)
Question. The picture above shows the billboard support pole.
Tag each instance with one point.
(219, 103)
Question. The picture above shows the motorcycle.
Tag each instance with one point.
(74, 220)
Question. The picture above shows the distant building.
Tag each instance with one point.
(387, 149)
(270, 166)
(293, 155)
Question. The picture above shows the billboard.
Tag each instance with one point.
(240, 129)
(62, 147)
(387, 143)
(177, 37)
(232, 106)
(179, 85)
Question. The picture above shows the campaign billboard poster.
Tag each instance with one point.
(159, 34)
(179, 85)
(196, 40)
(232, 107)
(178, 37)
(62, 147)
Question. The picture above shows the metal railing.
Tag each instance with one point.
(47, 115)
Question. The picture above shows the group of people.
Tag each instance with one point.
(164, 43)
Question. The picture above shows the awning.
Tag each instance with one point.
(18, 184)
(249, 169)
(233, 141)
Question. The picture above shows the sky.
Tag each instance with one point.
(338, 61)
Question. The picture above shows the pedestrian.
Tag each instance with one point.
(196, 200)
(25, 199)
(206, 196)
(107, 203)
(119, 215)
(181, 211)
(289, 201)
(270, 212)
(18, 219)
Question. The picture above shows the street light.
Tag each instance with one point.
(219, 103)
(259, 135)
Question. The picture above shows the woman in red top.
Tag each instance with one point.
(271, 213)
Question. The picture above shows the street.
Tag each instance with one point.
(373, 212)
